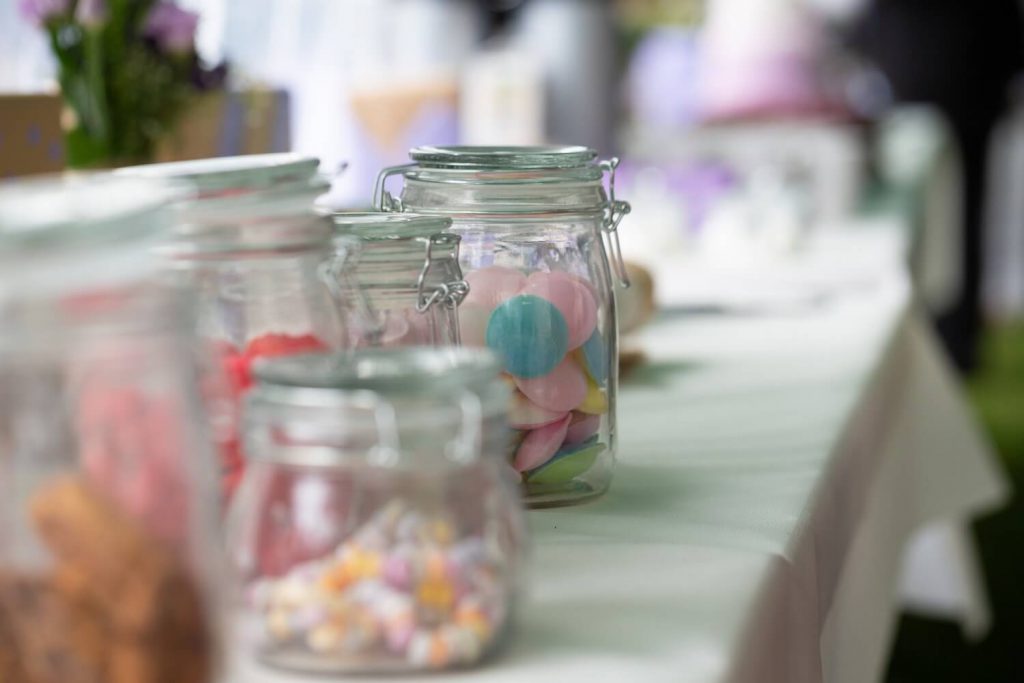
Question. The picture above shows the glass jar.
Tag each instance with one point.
(377, 528)
(533, 222)
(409, 278)
(108, 560)
(267, 273)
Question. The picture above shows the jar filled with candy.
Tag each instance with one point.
(534, 222)
(267, 272)
(408, 276)
(108, 568)
(377, 528)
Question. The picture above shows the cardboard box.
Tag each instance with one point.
(218, 124)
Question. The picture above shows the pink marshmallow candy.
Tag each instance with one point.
(572, 299)
(581, 428)
(489, 286)
(525, 414)
(540, 445)
(560, 390)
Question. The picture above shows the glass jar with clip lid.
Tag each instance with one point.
(266, 269)
(537, 226)
(408, 279)
(378, 528)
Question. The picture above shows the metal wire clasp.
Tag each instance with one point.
(450, 293)
(614, 211)
(382, 199)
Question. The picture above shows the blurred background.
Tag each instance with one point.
(755, 136)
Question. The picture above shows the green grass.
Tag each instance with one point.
(934, 651)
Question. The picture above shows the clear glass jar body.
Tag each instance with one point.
(377, 531)
(264, 270)
(542, 295)
(259, 305)
(406, 279)
(395, 311)
(109, 563)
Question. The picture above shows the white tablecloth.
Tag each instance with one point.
(772, 470)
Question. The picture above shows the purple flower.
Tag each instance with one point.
(173, 28)
(91, 13)
(39, 12)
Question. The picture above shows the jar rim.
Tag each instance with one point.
(244, 173)
(379, 226)
(271, 236)
(390, 372)
(526, 157)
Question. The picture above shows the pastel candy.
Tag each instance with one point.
(473, 324)
(593, 358)
(421, 329)
(561, 390)
(530, 334)
(540, 445)
(525, 414)
(566, 465)
(489, 286)
(595, 402)
(582, 427)
(572, 299)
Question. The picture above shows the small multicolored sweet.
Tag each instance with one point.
(540, 445)
(562, 389)
(405, 591)
(567, 464)
(525, 414)
(572, 299)
(582, 427)
(530, 334)
(593, 358)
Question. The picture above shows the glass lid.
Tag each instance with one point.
(386, 371)
(375, 226)
(538, 157)
(246, 172)
(59, 213)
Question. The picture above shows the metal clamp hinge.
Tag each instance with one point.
(382, 199)
(614, 211)
(451, 293)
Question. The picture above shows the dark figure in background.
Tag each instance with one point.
(959, 55)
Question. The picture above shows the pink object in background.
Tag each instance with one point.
(760, 57)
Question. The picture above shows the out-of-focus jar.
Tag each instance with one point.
(108, 550)
(533, 222)
(268, 274)
(378, 527)
(408, 277)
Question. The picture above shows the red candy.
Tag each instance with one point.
(237, 369)
(271, 345)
